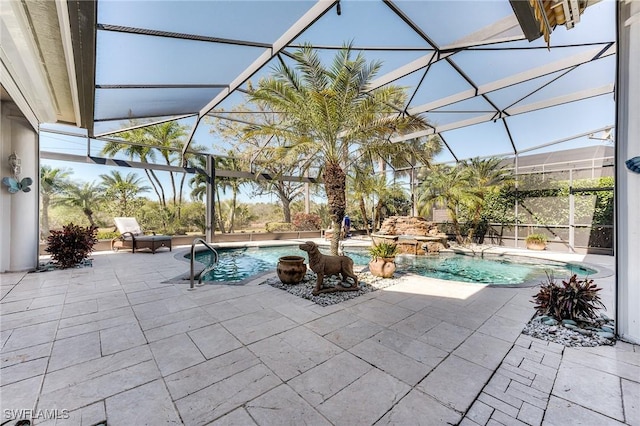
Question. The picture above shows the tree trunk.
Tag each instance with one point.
(163, 199)
(335, 183)
(232, 214)
(153, 185)
(219, 218)
(377, 220)
(286, 206)
(184, 176)
(89, 214)
(474, 223)
(456, 225)
(44, 231)
(363, 212)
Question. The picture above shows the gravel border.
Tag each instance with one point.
(366, 281)
(583, 333)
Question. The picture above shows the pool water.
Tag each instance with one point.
(242, 263)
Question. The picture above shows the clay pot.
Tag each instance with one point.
(536, 246)
(291, 269)
(382, 266)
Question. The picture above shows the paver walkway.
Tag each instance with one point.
(116, 343)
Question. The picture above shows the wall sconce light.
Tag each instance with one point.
(633, 164)
(16, 164)
(13, 183)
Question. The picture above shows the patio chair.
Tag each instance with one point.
(132, 237)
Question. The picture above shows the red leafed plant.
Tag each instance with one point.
(575, 299)
(72, 245)
(306, 221)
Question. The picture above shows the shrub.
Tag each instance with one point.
(72, 245)
(574, 299)
(306, 222)
(106, 235)
(383, 250)
(279, 227)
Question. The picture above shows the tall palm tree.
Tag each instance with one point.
(485, 176)
(144, 154)
(362, 184)
(331, 109)
(168, 135)
(168, 138)
(449, 187)
(198, 182)
(88, 197)
(407, 156)
(231, 162)
(124, 189)
(53, 181)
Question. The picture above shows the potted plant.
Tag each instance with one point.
(383, 257)
(536, 241)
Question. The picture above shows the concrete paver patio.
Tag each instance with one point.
(116, 342)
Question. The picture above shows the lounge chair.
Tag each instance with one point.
(132, 237)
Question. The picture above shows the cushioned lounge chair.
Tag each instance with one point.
(132, 237)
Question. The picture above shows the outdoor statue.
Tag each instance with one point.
(323, 264)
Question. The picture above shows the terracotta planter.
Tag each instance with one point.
(291, 269)
(536, 246)
(382, 266)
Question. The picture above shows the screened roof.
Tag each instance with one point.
(466, 65)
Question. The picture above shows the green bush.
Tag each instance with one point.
(106, 235)
(279, 227)
(574, 299)
(72, 245)
(536, 238)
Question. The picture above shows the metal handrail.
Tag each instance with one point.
(193, 252)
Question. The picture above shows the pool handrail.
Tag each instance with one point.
(209, 266)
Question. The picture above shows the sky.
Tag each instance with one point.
(129, 59)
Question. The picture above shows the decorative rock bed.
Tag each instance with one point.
(586, 333)
(367, 284)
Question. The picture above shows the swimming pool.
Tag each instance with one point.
(239, 264)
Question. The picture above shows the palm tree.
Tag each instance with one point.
(198, 183)
(53, 181)
(485, 176)
(362, 184)
(143, 153)
(169, 135)
(87, 197)
(407, 156)
(168, 138)
(123, 189)
(449, 187)
(330, 109)
(231, 162)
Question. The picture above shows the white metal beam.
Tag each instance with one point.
(67, 46)
(316, 11)
(572, 61)
(573, 97)
(403, 71)
(559, 100)
(493, 33)
(294, 31)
